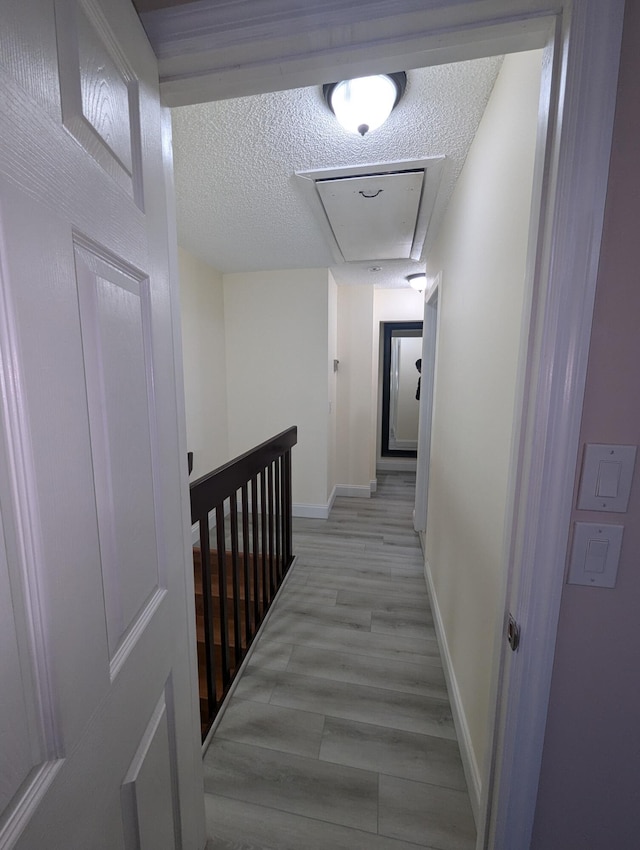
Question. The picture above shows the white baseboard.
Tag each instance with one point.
(301, 509)
(373, 485)
(311, 511)
(404, 445)
(195, 528)
(396, 464)
(315, 511)
(360, 491)
(471, 772)
(298, 509)
(195, 531)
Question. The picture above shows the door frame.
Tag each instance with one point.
(427, 396)
(387, 333)
(252, 55)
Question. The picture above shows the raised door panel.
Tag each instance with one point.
(115, 321)
(100, 95)
(29, 729)
(60, 516)
(147, 825)
(16, 752)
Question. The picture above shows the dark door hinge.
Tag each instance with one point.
(513, 633)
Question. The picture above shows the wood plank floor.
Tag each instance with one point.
(339, 735)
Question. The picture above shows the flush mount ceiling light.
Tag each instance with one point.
(418, 281)
(365, 103)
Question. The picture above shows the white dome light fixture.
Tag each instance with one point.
(364, 103)
(418, 281)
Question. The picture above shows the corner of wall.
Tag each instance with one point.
(205, 375)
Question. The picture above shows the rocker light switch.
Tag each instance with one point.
(596, 559)
(595, 554)
(607, 472)
(608, 479)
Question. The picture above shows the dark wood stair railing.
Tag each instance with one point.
(247, 503)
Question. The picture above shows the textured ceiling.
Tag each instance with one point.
(240, 207)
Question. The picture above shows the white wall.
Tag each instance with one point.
(481, 251)
(354, 387)
(205, 383)
(277, 354)
(397, 305)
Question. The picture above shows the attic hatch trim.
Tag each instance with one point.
(432, 167)
(369, 174)
(374, 217)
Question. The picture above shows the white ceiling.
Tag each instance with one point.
(240, 206)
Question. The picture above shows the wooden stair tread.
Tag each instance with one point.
(253, 593)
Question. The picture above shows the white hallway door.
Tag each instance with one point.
(99, 744)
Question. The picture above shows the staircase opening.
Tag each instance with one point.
(245, 506)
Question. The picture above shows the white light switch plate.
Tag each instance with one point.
(607, 472)
(595, 554)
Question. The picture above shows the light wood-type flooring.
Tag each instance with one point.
(339, 734)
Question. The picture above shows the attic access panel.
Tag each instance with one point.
(373, 217)
(428, 170)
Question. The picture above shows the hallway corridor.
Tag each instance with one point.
(339, 734)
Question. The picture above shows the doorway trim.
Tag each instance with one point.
(427, 395)
(389, 330)
(251, 55)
